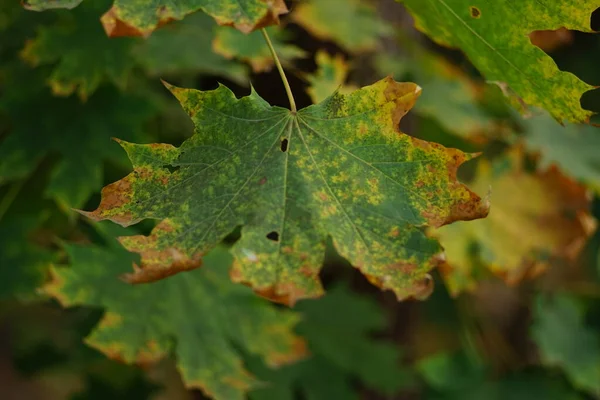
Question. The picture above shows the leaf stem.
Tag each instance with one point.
(281, 72)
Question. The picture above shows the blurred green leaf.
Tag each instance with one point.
(82, 55)
(340, 329)
(79, 132)
(564, 340)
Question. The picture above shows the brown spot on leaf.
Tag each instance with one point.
(475, 13)
(262, 181)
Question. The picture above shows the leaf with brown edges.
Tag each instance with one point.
(339, 168)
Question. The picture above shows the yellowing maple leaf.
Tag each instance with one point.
(340, 168)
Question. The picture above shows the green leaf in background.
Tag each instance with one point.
(495, 36)
(564, 340)
(573, 148)
(42, 125)
(251, 48)
(339, 168)
(352, 24)
(329, 77)
(200, 316)
(534, 216)
(339, 329)
(82, 55)
(186, 47)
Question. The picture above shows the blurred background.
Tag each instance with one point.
(515, 312)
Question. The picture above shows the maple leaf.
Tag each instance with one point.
(495, 37)
(251, 48)
(535, 217)
(340, 314)
(339, 168)
(83, 56)
(565, 341)
(337, 21)
(329, 77)
(573, 148)
(196, 311)
(186, 47)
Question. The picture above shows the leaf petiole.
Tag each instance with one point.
(280, 69)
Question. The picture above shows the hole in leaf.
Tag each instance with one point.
(171, 168)
(284, 145)
(475, 13)
(274, 236)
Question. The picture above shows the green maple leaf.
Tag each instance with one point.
(565, 341)
(574, 148)
(140, 18)
(353, 24)
(83, 56)
(495, 37)
(339, 168)
(339, 330)
(201, 317)
(79, 133)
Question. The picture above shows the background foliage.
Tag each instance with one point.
(516, 308)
